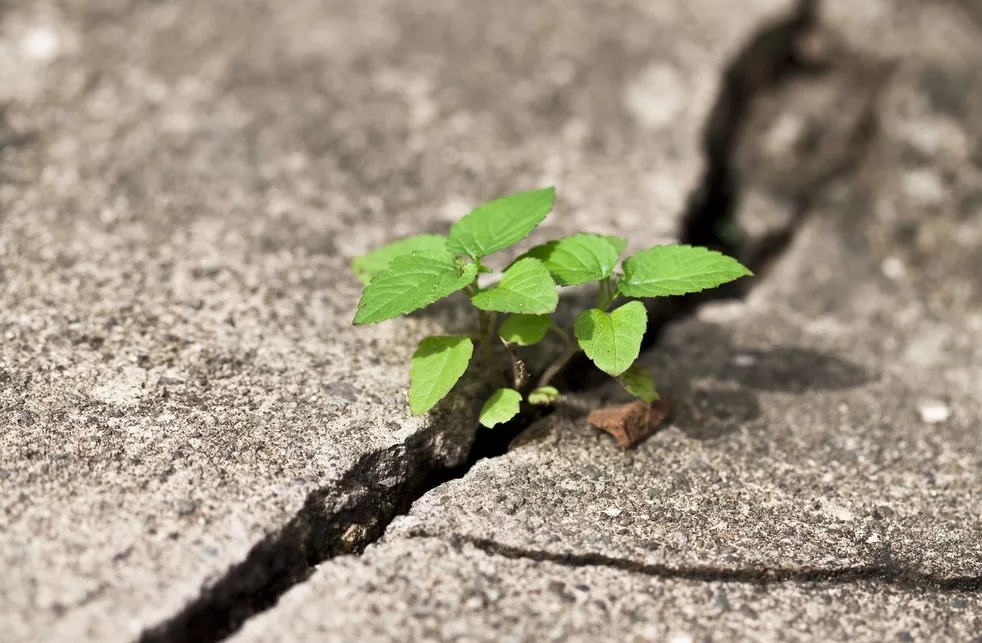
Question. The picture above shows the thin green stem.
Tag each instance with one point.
(556, 328)
(568, 353)
(607, 294)
(602, 293)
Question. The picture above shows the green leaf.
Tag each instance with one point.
(677, 270)
(637, 381)
(612, 340)
(412, 282)
(437, 364)
(578, 259)
(501, 223)
(525, 287)
(544, 395)
(525, 330)
(618, 243)
(367, 266)
(500, 407)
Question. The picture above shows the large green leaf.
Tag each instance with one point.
(367, 266)
(525, 330)
(412, 282)
(677, 270)
(436, 366)
(500, 223)
(525, 287)
(612, 340)
(637, 381)
(578, 259)
(502, 406)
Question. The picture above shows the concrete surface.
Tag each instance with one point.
(829, 440)
(179, 382)
(833, 420)
(432, 590)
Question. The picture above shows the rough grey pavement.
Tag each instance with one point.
(182, 186)
(821, 478)
(432, 590)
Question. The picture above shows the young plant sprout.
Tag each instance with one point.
(417, 271)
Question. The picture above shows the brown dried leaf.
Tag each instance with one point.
(631, 423)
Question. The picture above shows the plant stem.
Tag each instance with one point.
(606, 295)
(485, 335)
(601, 294)
(519, 372)
(554, 369)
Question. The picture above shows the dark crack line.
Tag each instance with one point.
(336, 520)
(893, 575)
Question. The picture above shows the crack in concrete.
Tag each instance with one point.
(336, 520)
(776, 56)
(346, 517)
(895, 575)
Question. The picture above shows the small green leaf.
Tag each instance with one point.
(637, 381)
(612, 340)
(500, 407)
(525, 330)
(677, 270)
(437, 364)
(578, 259)
(367, 266)
(544, 395)
(501, 223)
(618, 243)
(525, 287)
(412, 282)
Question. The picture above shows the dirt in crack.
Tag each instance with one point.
(324, 528)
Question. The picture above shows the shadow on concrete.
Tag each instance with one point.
(896, 575)
(716, 383)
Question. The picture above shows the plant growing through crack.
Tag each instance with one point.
(415, 272)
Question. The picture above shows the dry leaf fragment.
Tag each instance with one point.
(631, 423)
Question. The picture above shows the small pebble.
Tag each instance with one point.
(893, 268)
(613, 512)
(934, 412)
(744, 360)
(41, 44)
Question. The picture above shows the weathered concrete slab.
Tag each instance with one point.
(430, 590)
(178, 379)
(830, 427)
(830, 423)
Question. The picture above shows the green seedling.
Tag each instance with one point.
(415, 272)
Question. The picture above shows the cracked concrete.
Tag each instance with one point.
(434, 590)
(802, 441)
(824, 467)
(189, 424)
(188, 420)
